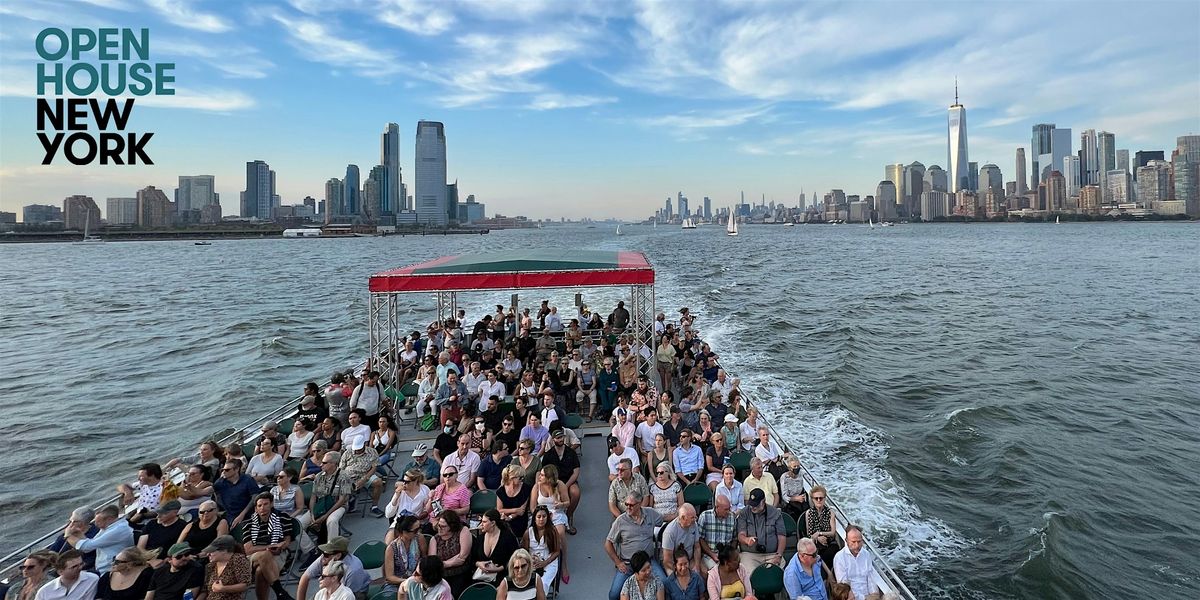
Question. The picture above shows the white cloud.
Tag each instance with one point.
(233, 60)
(555, 101)
(318, 42)
(183, 14)
(421, 17)
(208, 100)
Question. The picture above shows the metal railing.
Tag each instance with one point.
(9, 562)
(888, 576)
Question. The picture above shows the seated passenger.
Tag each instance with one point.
(35, 573)
(409, 498)
(758, 479)
(148, 489)
(821, 524)
(617, 452)
(267, 536)
(802, 577)
(357, 429)
(452, 544)
(718, 527)
(197, 487)
(360, 466)
(337, 549)
(421, 462)
(312, 464)
(688, 460)
(405, 547)
(264, 466)
(72, 581)
(793, 498)
(761, 533)
(731, 489)
(463, 461)
(162, 532)
(289, 499)
(204, 529)
(492, 467)
(666, 495)
(626, 481)
(179, 573)
(852, 565)
(235, 492)
(716, 456)
(729, 579)
(113, 536)
(682, 534)
(624, 429)
(299, 442)
(130, 576)
(80, 517)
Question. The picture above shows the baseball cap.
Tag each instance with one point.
(223, 543)
(358, 443)
(756, 498)
(169, 506)
(180, 549)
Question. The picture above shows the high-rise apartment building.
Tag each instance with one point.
(1119, 186)
(258, 200)
(956, 145)
(1089, 166)
(1185, 179)
(1142, 158)
(351, 194)
(934, 204)
(1189, 147)
(1106, 160)
(885, 200)
(1022, 179)
(373, 191)
(914, 185)
(1056, 191)
(154, 208)
(389, 151)
(452, 201)
(334, 202)
(684, 210)
(430, 157)
(1090, 199)
(79, 211)
(195, 192)
(40, 213)
(122, 211)
(708, 208)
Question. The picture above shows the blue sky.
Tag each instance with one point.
(575, 108)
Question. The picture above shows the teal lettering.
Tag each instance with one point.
(139, 79)
(108, 42)
(92, 79)
(141, 47)
(81, 40)
(164, 74)
(40, 44)
(54, 78)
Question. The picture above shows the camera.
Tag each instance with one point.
(760, 548)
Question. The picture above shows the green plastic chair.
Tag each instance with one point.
(371, 554)
(239, 532)
(482, 501)
(409, 389)
(767, 579)
(392, 393)
(572, 421)
(286, 425)
(789, 525)
(479, 591)
(740, 460)
(249, 449)
(699, 496)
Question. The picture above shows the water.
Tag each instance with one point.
(1011, 410)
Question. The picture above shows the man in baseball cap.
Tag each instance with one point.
(761, 532)
(178, 574)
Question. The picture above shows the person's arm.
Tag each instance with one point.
(141, 541)
(465, 547)
(301, 502)
(611, 550)
(389, 570)
(479, 483)
(183, 534)
(302, 587)
(661, 593)
(714, 583)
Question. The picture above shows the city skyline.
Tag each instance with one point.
(551, 116)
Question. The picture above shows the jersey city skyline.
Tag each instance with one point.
(554, 110)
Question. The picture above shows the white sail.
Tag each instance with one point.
(731, 224)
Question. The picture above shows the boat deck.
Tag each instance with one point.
(590, 569)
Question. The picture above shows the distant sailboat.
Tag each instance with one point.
(688, 224)
(89, 239)
(1056, 221)
(731, 224)
(619, 229)
(871, 222)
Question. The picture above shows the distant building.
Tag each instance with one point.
(470, 211)
(122, 211)
(389, 156)
(973, 176)
(967, 204)
(1142, 158)
(1089, 165)
(1119, 187)
(934, 205)
(914, 184)
(956, 146)
(40, 213)
(1185, 178)
(1123, 161)
(210, 214)
(936, 180)
(430, 158)
(8, 221)
(1188, 146)
(1154, 183)
(373, 192)
(1070, 171)
(452, 201)
(1040, 149)
(1090, 199)
(684, 211)
(334, 200)
(154, 209)
(1056, 191)
(990, 178)
(351, 203)
(1106, 160)
(885, 200)
(1022, 179)
(80, 211)
(258, 200)
(708, 208)
(195, 192)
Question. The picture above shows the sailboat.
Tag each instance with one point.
(89, 239)
(731, 225)
(688, 224)
(871, 222)
(1056, 221)
(619, 229)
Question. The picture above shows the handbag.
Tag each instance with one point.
(484, 576)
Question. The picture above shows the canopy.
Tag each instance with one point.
(517, 270)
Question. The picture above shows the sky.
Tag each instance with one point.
(574, 108)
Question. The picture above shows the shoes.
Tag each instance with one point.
(375, 511)
(571, 529)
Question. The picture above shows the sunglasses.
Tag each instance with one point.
(27, 567)
(207, 510)
(407, 480)
(818, 497)
(449, 474)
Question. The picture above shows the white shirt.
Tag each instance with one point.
(473, 381)
(645, 432)
(408, 355)
(746, 430)
(614, 460)
(554, 322)
(83, 589)
(856, 571)
(467, 466)
(401, 502)
(724, 388)
(488, 389)
(349, 433)
(768, 452)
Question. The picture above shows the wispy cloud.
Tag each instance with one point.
(232, 60)
(691, 123)
(317, 41)
(183, 14)
(556, 101)
(421, 17)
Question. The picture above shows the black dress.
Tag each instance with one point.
(520, 522)
(505, 546)
(137, 591)
(198, 538)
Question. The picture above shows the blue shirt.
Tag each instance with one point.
(798, 583)
(89, 558)
(234, 497)
(693, 592)
(690, 461)
(108, 542)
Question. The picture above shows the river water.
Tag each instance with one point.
(1011, 410)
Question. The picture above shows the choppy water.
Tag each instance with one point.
(1011, 410)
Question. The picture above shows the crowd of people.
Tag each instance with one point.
(502, 395)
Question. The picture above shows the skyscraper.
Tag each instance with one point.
(885, 200)
(1022, 179)
(1040, 150)
(333, 199)
(452, 201)
(1089, 165)
(1154, 183)
(1056, 191)
(374, 189)
(914, 184)
(956, 145)
(1123, 160)
(430, 157)
(1106, 160)
(991, 178)
(154, 209)
(195, 192)
(936, 180)
(1119, 186)
(389, 152)
(1142, 158)
(708, 209)
(684, 210)
(351, 202)
(258, 200)
(973, 176)
(1185, 176)
(1060, 149)
(1070, 171)
(1188, 146)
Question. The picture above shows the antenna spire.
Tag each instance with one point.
(956, 90)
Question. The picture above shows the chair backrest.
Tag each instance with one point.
(239, 532)
(371, 554)
(285, 426)
(479, 591)
(789, 525)
(698, 495)
(482, 501)
(767, 579)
